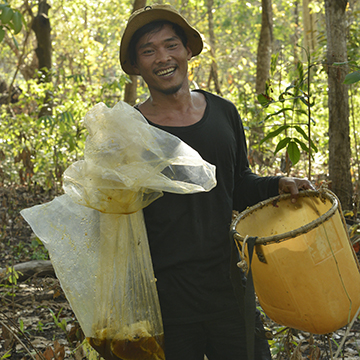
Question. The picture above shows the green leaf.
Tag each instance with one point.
(7, 354)
(302, 132)
(282, 144)
(302, 144)
(264, 100)
(301, 111)
(2, 34)
(278, 112)
(6, 14)
(17, 21)
(294, 152)
(15, 42)
(340, 63)
(274, 133)
(302, 99)
(21, 325)
(288, 88)
(274, 59)
(352, 78)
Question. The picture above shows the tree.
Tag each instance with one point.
(338, 101)
(264, 46)
(310, 41)
(42, 29)
(213, 69)
(130, 87)
(263, 62)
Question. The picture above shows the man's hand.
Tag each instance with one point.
(293, 185)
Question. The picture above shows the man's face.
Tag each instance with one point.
(162, 60)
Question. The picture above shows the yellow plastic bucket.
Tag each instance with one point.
(305, 271)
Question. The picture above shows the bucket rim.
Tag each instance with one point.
(327, 194)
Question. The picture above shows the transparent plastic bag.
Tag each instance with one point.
(96, 235)
(128, 163)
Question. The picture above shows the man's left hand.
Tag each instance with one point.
(293, 185)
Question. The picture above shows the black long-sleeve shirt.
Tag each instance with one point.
(188, 234)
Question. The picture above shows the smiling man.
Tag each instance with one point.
(188, 234)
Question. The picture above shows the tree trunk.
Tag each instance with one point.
(130, 95)
(264, 52)
(310, 42)
(264, 47)
(296, 32)
(338, 102)
(213, 69)
(42, 29)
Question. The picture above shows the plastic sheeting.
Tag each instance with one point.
(96, 235)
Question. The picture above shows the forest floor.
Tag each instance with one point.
(36, 321)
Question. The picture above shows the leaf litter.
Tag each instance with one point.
(36, 321)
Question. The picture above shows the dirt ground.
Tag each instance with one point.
(36, 321)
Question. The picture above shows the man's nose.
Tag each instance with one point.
(162, 55)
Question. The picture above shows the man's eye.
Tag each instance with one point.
(171, 46)
(147, 52)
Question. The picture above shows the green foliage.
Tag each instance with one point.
(39, 326)
(61, 324)
(39, 251)
(85, 44)
(352, 78)
(44, 147)
(11, 275)
(11, 21)
(56, 318)
(294, 137)
(7, 355)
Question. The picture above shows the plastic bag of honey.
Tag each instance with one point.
(96, 235)
(128, 163)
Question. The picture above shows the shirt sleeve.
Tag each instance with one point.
(250, 188)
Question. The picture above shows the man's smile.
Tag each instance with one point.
(166, 72)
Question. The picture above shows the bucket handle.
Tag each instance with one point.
(293, 233)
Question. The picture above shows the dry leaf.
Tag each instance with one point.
(296, 355)
(8, 337)
(59, 350)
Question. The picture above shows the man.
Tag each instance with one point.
(188, 234)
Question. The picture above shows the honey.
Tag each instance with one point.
(136, 346)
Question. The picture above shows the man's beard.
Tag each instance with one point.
(172, 90)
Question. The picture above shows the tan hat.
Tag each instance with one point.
(147, 15)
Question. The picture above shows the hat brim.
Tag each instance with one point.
(148, 15)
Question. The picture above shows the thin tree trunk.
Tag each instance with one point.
(264, 52)
(42, 29)
(338, 102)
(130, 95)
(213, 69)
(310, 42)
(264, 47)
(296, 31)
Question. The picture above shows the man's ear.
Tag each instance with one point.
(136, 69)
(189, 53)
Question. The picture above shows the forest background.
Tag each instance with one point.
(291, 68)
(282, 63)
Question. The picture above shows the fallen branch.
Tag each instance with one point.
(39, 268)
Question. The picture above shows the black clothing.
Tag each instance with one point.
(188, 234)
(220, 339)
